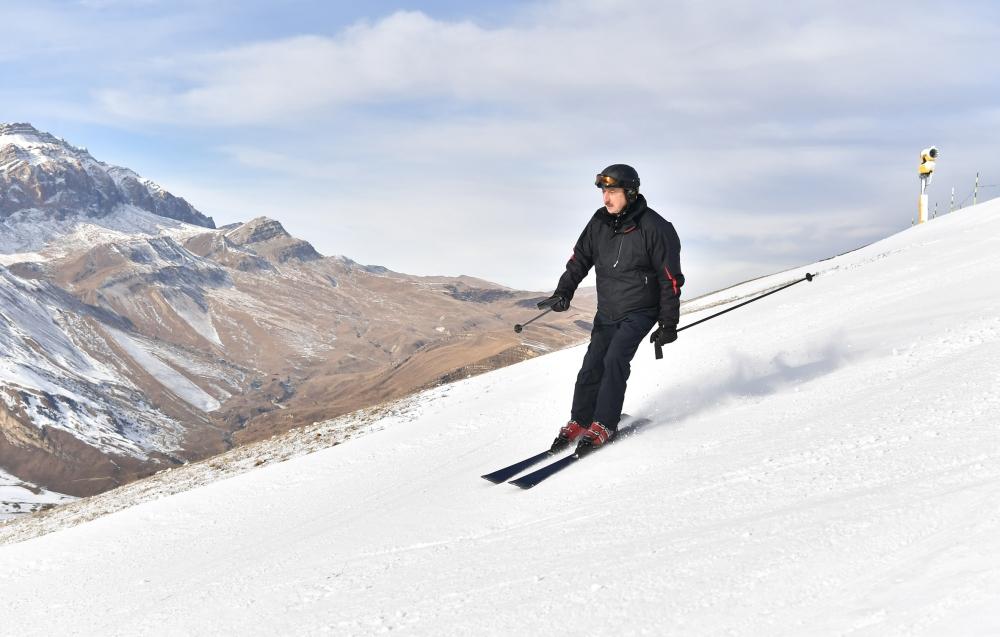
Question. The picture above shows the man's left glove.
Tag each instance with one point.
(557, 302)
(663, 334)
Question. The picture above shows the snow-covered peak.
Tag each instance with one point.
(24, 134)
(25, 131)
(22, 141)
(41, 174)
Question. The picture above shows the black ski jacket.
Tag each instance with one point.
(637, 256)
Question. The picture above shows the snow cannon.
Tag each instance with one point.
(928, 158)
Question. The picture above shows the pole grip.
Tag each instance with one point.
(658, 350)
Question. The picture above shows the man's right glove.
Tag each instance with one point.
(557, 302)
(663, 334)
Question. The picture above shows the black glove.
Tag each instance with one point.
(557, 302)
(663, 335)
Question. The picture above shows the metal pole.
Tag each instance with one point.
(975, 191)
(807, 277)
(922, 203)
(519, 327)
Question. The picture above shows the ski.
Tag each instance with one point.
(535, 477)
(501, 475)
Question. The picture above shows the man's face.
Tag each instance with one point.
(615, 200)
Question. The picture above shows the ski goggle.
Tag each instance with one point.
(606, 181)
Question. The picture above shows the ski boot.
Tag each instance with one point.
(570, 432)
(595, 437)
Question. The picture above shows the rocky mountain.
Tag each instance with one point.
(39, 172)
(131, 341)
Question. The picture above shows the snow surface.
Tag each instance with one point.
(32, 235)
(198, 318)
(39, 151)
(825, 461)
(144, 354)
(18, 497)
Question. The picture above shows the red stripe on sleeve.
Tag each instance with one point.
(673, 281)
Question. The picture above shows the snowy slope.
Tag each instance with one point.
(32, 235)
(826, 461)
(18, 497)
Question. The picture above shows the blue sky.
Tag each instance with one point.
(462, 137)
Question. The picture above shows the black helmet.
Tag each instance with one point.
(619, 176)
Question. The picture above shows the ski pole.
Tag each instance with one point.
(519, 327)
(807, 277)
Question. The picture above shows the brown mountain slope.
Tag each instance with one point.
(235, 334)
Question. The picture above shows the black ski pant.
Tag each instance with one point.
(600, 385)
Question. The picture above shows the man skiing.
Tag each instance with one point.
(636, 254)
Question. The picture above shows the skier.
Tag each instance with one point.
(636, 254)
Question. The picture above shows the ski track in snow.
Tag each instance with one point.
(825, 461)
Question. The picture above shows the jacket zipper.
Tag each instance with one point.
(619, 257)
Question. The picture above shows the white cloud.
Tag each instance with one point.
(767, 132)
(686, 58)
